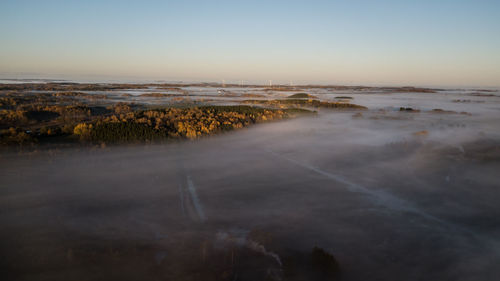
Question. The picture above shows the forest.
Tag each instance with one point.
(77, 117)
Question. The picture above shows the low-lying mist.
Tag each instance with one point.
(379, 195)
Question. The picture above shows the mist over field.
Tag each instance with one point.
(406, 190)
(249, 140)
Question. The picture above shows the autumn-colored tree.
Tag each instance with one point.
(83, 130)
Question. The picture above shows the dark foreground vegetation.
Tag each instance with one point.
(197, 257)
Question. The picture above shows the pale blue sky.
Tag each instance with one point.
(445, 43)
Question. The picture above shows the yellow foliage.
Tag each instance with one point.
(83, 130)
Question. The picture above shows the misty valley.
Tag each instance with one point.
(103, 181)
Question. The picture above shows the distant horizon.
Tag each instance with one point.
(140, 80)
(387, 42)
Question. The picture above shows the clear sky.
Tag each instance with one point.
(397, 42)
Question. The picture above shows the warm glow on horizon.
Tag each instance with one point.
(429, 43)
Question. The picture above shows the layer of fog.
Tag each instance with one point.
(392, 195)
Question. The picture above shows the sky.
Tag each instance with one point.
(351, 42)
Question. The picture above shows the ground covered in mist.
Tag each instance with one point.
(404, 190)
